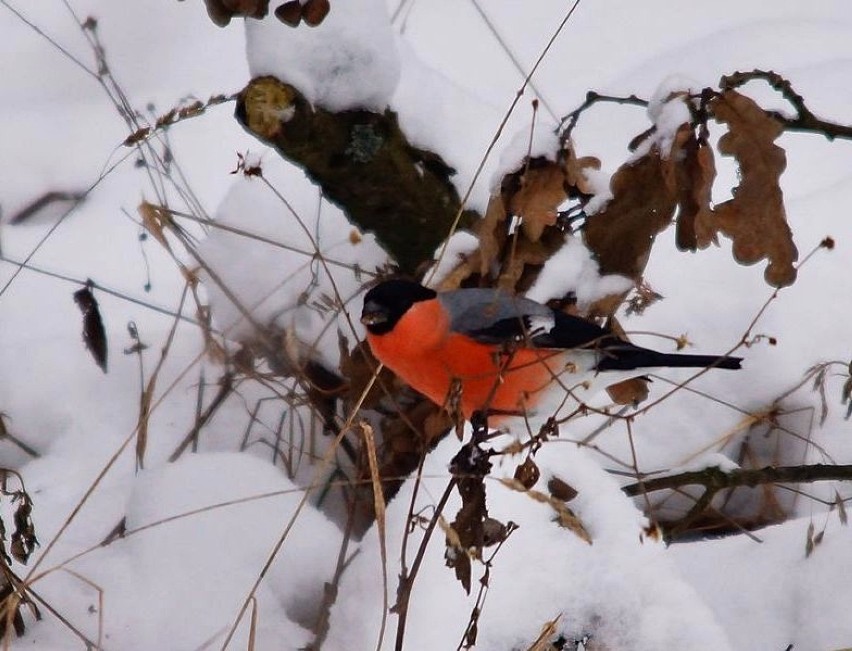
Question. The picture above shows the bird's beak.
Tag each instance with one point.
(373, 318)
(373, 315)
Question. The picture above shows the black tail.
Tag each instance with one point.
(627, 359)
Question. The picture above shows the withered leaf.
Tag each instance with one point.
(642, 205)
(491, 230)
(94, 334)
(841, 508)
(221, 11)
(469, 467)
(575, 171)
(846, 396)
(565, 517)
(560, 489)
(534, 193)
(315, 11)
(527, 473)
(754, 218)
(358, 367)
(526, 255)
(290, 13)
(548, 631)
(156, 220)
(24, 540)
(629, 392)
(696, 171)
(809, 540)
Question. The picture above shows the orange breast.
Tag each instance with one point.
(422, 351)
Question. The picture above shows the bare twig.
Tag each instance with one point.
(716, 479)
(805, 119)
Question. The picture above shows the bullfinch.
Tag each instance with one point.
(497, 352)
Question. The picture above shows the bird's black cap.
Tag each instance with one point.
(387, 302)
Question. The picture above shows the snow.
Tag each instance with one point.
(667, 110)
(459, 246)
(277, 271)
(348, 61)
(572, 269)
(539, 139)
(801, 600)
(621, 588)
(214, 577)
(439, 115)
(181, 583)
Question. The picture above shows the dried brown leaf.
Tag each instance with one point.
(527, 473)
(841, 508)
(94, 334)
(491, 231)
(156, 221)
(696, 171)
(809, 540)
(560, 489)
(315, 11)
(643, 203)
(358, 367)
(629, 392)
(23, 541)
(575, 171)
(221, 11)
(548, 631)
(606, 306)
(534, 195)
(754, 218)
(564, 516)
(290, 13)
(524, 256)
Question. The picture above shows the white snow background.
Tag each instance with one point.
(180, 585)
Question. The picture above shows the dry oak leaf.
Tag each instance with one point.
(754, 218)
(534, 194)
(695, 173)
(525, 258)
(643, 202)
(313, 12)
(575, 171)
(221, 11)
(491, 230)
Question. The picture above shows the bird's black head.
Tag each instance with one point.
(387, 302)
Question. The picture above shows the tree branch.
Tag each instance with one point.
(364, 163)
(805, 120)
(716, 479)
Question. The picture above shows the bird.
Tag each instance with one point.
(495, 353)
